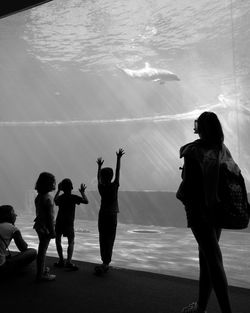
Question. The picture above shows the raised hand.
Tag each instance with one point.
(59, 187)
(82, 188)
(120, 153)
(99, 161)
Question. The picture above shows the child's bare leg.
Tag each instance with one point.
(59, 247)
(41, 255)
(71, 243)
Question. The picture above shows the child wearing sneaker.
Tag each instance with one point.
(44, 222)
(65, 219)
(107, 219)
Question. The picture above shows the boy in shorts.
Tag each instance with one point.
(65, 219)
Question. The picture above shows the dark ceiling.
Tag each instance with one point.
(8, 7)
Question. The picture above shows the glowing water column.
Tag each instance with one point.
(238, 117)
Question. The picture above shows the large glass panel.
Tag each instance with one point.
(79, 79)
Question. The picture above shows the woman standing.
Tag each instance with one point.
(199, 193)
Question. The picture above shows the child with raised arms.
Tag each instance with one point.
(107, 218)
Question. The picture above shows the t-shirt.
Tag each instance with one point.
(7, 231)
(45, 211)
(67, 204)
(109, 197)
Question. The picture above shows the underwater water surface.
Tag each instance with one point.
(164, 250)
(66, 99)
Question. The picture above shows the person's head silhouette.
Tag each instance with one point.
(106, 175)
(7, 214)
(209, 129)
(66, 185)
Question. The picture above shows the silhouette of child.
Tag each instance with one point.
(107, 219)
(12, 261)
(44, 222)
(65, 219)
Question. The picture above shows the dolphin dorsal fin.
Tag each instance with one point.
(147, 65)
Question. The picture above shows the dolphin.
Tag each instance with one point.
(151, 74)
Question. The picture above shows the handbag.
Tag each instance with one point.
(234, 208)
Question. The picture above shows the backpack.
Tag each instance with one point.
(234, 209)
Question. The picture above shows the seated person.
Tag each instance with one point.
(12, 261)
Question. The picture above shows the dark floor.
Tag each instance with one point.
(118, 291)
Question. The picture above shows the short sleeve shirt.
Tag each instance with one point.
(44, 209)
(67, 204)
(7, 231)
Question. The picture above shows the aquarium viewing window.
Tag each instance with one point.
(80, 79)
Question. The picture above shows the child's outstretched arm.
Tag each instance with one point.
(82, 192)
(99, 163)
(119, 154)
(57, 193)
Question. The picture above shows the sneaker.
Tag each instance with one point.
(101, 269)
(46, 277)
(105, 268)
(59, 264)
(192, 308)
(71, 266)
